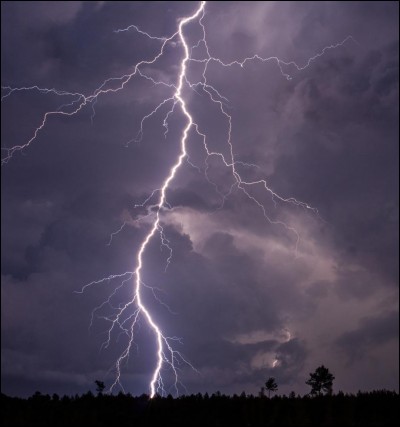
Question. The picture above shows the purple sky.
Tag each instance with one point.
(246, 304)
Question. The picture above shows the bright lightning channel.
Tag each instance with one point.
(122, 318)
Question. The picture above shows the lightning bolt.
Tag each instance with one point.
(124, 317)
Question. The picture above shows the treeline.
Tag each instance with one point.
(377, 408)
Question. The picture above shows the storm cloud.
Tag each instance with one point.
(247, 300)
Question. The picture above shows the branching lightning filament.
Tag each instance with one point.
(125, 317)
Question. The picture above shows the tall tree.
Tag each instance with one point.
(321, 381)
(271, 385)
(100, 387)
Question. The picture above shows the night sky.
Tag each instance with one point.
(247, 304)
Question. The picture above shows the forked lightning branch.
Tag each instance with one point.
(124, 318)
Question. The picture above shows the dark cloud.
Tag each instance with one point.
(248, 300)
(372, 332)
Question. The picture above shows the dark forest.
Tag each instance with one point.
(376, 408)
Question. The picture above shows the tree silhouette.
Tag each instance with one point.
(376, 408)
(321, 381)
(271, 385)
(100, 386)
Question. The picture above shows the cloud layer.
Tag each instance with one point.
(246, 302)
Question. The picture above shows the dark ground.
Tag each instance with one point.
(377, 408)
